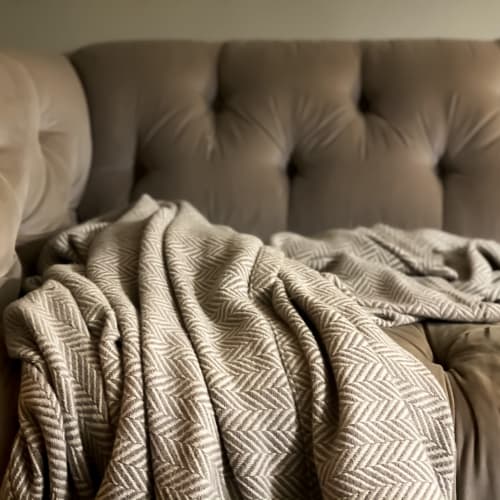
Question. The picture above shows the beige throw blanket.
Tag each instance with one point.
(165, 357)
(406, 276)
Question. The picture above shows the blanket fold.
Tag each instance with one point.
(166, 357)
(407, 276)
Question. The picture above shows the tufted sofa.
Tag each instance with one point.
(267, 136)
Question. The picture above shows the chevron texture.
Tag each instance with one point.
(164, 357)
(407, 276)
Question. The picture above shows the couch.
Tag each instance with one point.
(263, 137)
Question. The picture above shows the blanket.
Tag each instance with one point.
(406, 276)
(164, 357)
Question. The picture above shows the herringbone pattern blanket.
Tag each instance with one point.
(406, 276)
(165, 357)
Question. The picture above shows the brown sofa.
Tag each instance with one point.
(267, 136)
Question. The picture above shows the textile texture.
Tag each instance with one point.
(406, 276)
(166, 357)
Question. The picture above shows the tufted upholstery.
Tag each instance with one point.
(44, 148)
(266, 136)
(466, 361)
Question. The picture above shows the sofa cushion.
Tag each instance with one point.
(465, 358)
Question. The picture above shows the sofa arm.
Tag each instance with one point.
(45, 148)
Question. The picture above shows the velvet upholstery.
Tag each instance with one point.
(44, 149)
(304, 136)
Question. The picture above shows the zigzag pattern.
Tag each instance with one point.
(174, 359)
(407, 276)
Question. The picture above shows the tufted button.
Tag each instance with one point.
(363, 104)
(217, 103)
(465, 359)
(440, 169)
(292, 169)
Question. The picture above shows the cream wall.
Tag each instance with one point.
(65, 24)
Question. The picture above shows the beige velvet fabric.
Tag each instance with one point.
(44, 150)
(268, 136)
(465, 358)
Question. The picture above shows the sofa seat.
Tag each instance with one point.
(465, 358)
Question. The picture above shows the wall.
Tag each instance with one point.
(60, 25)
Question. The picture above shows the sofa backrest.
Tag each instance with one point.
(267, 136)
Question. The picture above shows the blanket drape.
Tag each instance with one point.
(407, 276)
(167, 357)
